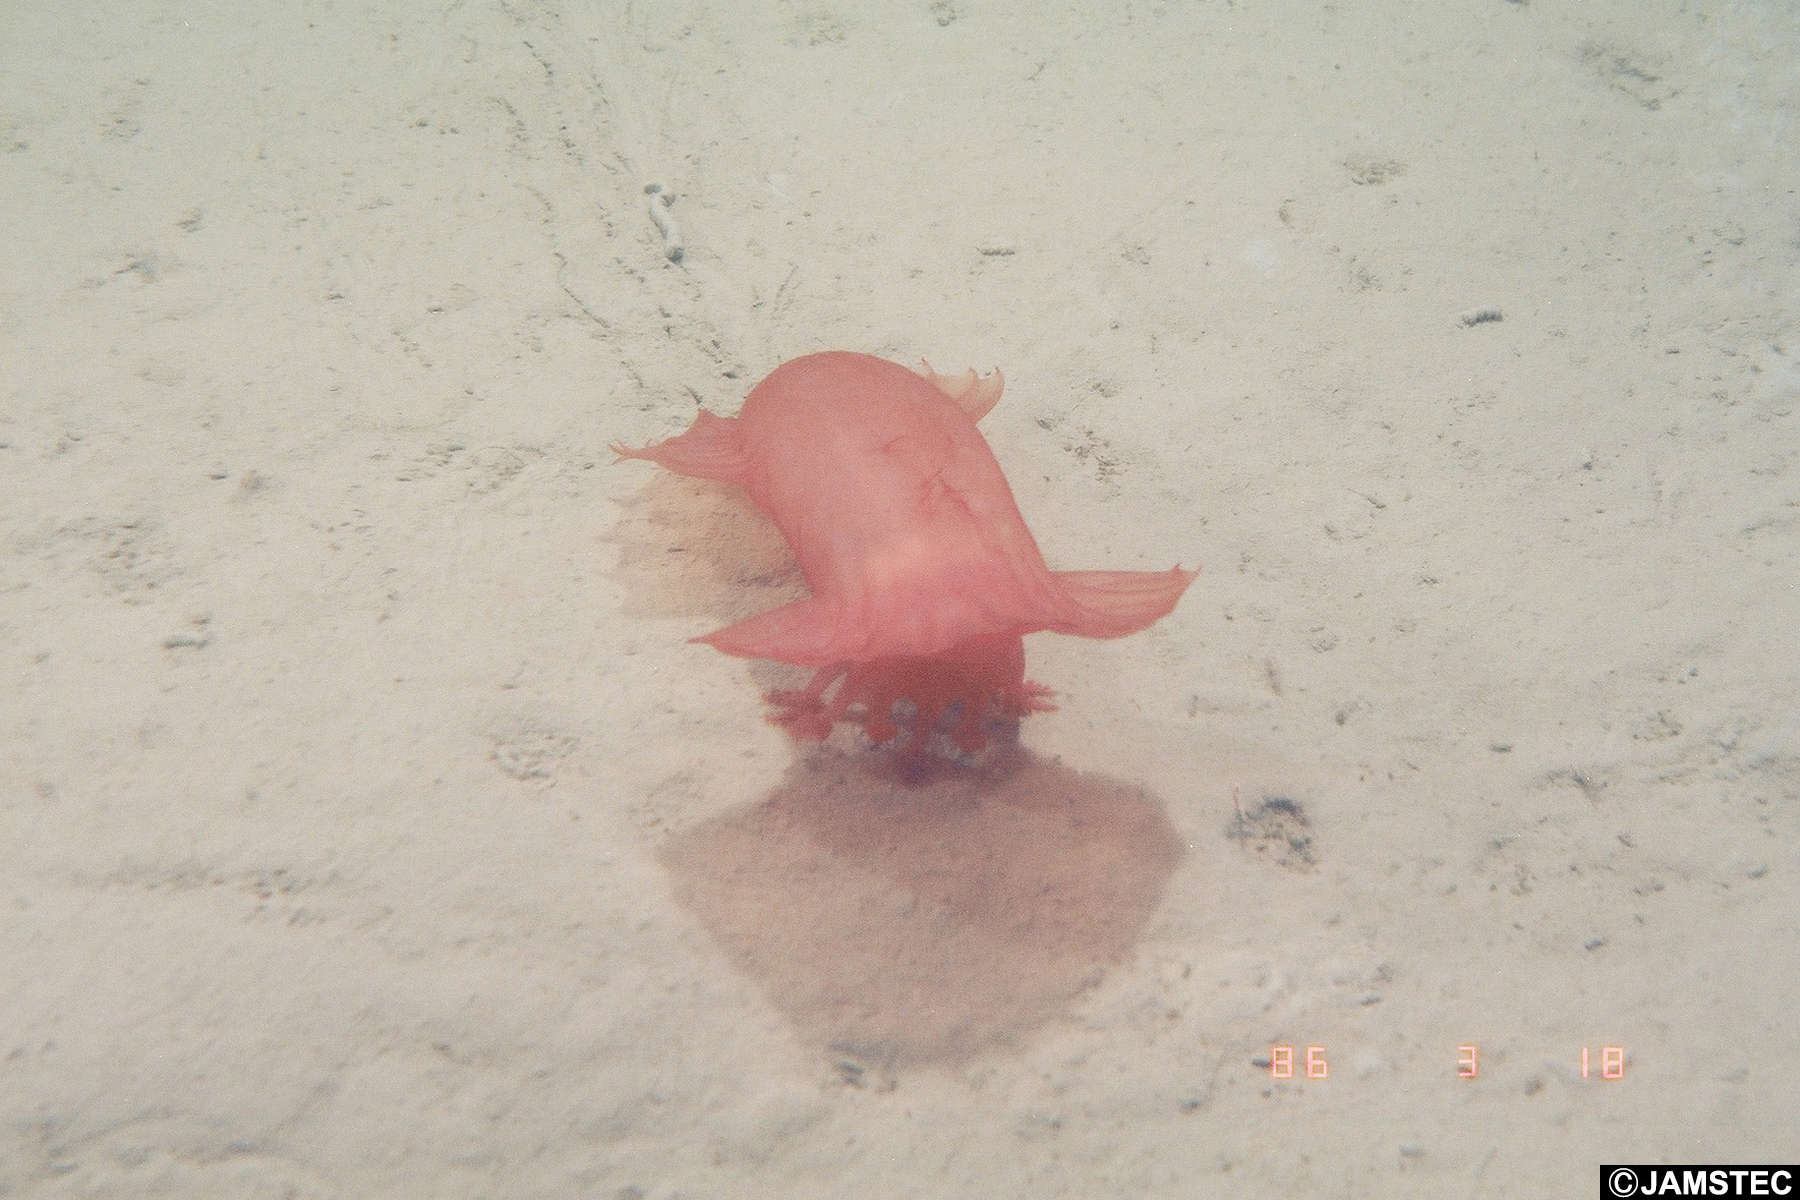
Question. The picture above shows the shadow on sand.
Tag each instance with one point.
(902, 920)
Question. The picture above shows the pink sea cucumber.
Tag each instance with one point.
(924, 578)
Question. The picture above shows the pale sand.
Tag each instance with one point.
(370, 829)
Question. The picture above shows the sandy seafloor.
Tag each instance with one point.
(370, 828)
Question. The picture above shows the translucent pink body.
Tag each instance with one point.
(924, 578)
